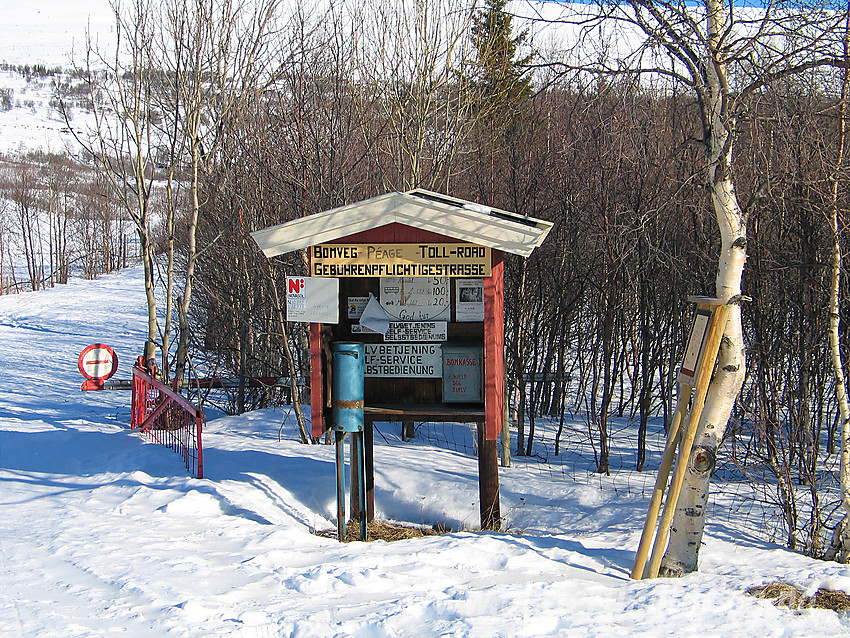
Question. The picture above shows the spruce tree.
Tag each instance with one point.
(502, 84)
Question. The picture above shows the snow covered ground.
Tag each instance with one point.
(50, 33)
(104, 534)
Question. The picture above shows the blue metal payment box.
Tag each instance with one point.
(347, 386)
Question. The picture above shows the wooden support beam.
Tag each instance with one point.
(684, 400)
(354, 471)
(340, 486)
(317, 382)
(494, 348)
(703, 379)
(369, 462)
(408, 430)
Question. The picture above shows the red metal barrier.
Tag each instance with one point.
(167, 418)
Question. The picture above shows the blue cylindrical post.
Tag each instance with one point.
(347, 386)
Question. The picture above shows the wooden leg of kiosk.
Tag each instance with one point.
(488, 481)
(407, 430)
(366, 442)
(359, 506)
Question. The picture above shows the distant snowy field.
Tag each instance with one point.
(50, 32)
(104, 534)
(33, 124)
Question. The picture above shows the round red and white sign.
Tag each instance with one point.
(98, 361)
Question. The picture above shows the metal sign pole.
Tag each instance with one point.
(347, 410)
(340, 486)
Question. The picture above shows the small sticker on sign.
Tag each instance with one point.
(356, 306)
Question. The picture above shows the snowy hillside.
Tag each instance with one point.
(51, 32)
(30, 120)
(104, 534)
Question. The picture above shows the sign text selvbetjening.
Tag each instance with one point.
(400, 260)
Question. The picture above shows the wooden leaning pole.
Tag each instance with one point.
(693, 379)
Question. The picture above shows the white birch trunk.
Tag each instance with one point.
(689, 520)
(840, 546)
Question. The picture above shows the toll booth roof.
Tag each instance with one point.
(441, 214)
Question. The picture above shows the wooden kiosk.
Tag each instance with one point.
(427, 271)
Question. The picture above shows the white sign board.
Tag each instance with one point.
(416, 298)
(410, 360)
(312, 299)
(417, 331)
(696, 343)
(469, 302)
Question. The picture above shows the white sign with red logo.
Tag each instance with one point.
(98, 362)
(312, 299)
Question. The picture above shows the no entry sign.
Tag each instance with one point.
(98, 362)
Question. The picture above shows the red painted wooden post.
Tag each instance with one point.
(494, 395)
(494, 348)
(488, 482)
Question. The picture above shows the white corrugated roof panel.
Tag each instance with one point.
(466, 221)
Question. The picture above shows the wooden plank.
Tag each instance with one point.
(369, 462)
(420, 412)
(684, 400)
(703, 380)
(354, 443)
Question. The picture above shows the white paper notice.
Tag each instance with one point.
(416, 298)
(469, 300)
(374, 317)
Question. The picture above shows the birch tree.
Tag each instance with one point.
(722, 54)
(409, 55)
(840, 546)
(211, 55)
(120, 139)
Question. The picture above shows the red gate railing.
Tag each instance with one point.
(167, 418)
